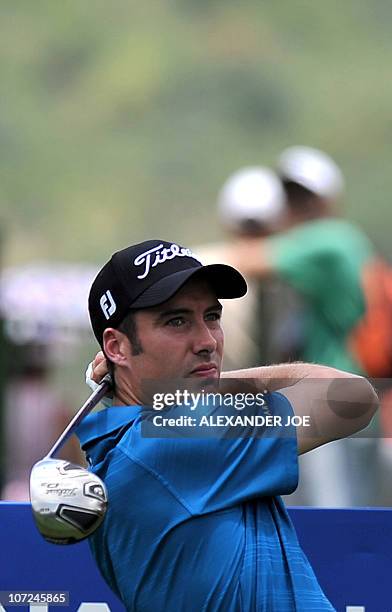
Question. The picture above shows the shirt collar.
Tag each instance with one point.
(105, 422)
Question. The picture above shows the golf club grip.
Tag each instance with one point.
(89, 404)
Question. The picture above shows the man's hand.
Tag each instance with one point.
(249, 256)
(95, 372)
(99, 367)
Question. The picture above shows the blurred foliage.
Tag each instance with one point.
(120, 121)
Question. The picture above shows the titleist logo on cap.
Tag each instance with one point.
(162, 254)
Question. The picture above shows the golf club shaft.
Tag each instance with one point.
(89, 404)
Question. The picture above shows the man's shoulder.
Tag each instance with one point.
(325, 226)
(331, 236)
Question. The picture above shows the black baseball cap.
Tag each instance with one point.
(149, 273)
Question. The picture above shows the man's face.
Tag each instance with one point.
(180, 339)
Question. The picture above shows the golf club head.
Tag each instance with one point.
(68, 501)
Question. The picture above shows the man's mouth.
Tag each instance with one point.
(207, 370)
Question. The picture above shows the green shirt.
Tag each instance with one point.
(323, 260)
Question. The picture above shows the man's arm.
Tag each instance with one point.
(251, 256)
(337, 403)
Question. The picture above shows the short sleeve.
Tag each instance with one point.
(303, 256)
(323, 260)
(217, 466)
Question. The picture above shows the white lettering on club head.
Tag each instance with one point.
(107, 304)
(162, 254)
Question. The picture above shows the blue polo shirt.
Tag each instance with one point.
(195, 522)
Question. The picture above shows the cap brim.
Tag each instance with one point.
(226, 281)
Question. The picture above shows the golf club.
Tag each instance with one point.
(68, 501)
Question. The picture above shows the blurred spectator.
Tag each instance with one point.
(251, 203)
(34, 418)
(322, 257)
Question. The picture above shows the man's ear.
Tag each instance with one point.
(114, 345)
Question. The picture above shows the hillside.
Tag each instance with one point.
(121, 120)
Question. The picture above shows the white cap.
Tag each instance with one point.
(252, 193)
(312, 169)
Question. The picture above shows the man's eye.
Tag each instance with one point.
(176, 322)
(214, 316)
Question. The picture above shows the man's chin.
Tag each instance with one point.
(179, 385)
(202, 382)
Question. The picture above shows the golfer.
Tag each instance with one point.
(195, 519)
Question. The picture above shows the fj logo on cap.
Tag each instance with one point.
(107, 304)
(161, 255)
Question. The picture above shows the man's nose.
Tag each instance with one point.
(204, 339)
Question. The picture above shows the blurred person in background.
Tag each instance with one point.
(35, 416)
(264, 325)
(322, 256)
